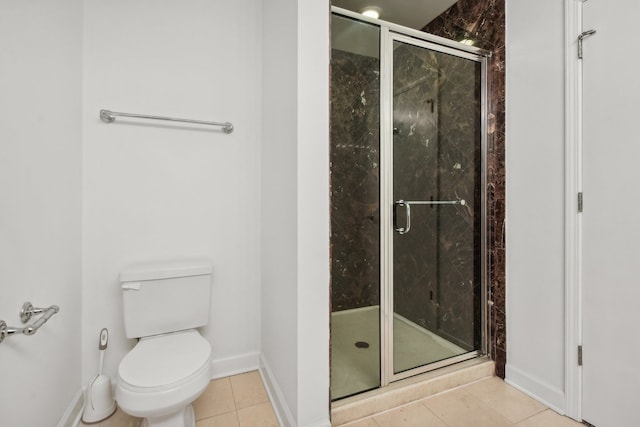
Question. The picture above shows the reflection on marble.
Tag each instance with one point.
(484, 21)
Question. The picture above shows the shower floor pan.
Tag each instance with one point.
(355, 349)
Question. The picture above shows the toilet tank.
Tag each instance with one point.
(165, 297)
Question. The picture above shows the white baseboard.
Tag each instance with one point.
(234, 365)
(539, 390)
(73, 413)
(320, 424)
(283, 413)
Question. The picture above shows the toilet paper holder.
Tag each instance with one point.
(28, 310)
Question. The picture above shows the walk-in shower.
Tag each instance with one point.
(408, 156)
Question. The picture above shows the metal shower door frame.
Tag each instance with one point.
(387, 201)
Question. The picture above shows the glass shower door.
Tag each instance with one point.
(436, 181)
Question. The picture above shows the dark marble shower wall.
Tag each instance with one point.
(484, 21)
(355, 184)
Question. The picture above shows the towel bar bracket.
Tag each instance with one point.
(28, 310)
(3, 329)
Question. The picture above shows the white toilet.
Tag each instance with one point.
(170, 366)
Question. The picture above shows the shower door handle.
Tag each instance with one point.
(407, 210)
(407, 205)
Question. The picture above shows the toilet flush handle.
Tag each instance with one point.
(131, 286)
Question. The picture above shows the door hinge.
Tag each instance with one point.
(581, 37)
(579, 355)
(580, 202)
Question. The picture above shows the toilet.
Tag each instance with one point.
(170, 366)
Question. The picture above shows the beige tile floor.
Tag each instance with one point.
(241, 401)
(485, 403)
(236, 401)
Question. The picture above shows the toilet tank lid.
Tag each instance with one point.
(166, 270)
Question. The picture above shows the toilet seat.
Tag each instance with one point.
(164, 360)
(163, 373)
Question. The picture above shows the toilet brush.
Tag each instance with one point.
(99, 403)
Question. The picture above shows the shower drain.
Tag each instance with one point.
(362, 344)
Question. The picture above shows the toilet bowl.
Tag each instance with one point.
(162, 375)
(170, 365)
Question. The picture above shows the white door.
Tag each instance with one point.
(611, 218)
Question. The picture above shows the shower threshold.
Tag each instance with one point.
(410, 390)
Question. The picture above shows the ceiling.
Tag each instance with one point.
(410, 13)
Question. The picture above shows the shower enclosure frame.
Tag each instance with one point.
(389, 33)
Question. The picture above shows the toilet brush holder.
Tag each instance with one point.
(99, 403)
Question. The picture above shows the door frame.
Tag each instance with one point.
(573, 218)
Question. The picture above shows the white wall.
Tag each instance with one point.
(295, 207)
(313, 213)
(154, 191)
(279, 203)
(40, 193)
(85, 199)
(535, 198)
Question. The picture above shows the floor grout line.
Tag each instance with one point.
(436, 415)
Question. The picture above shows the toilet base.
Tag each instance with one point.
(183, 418)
